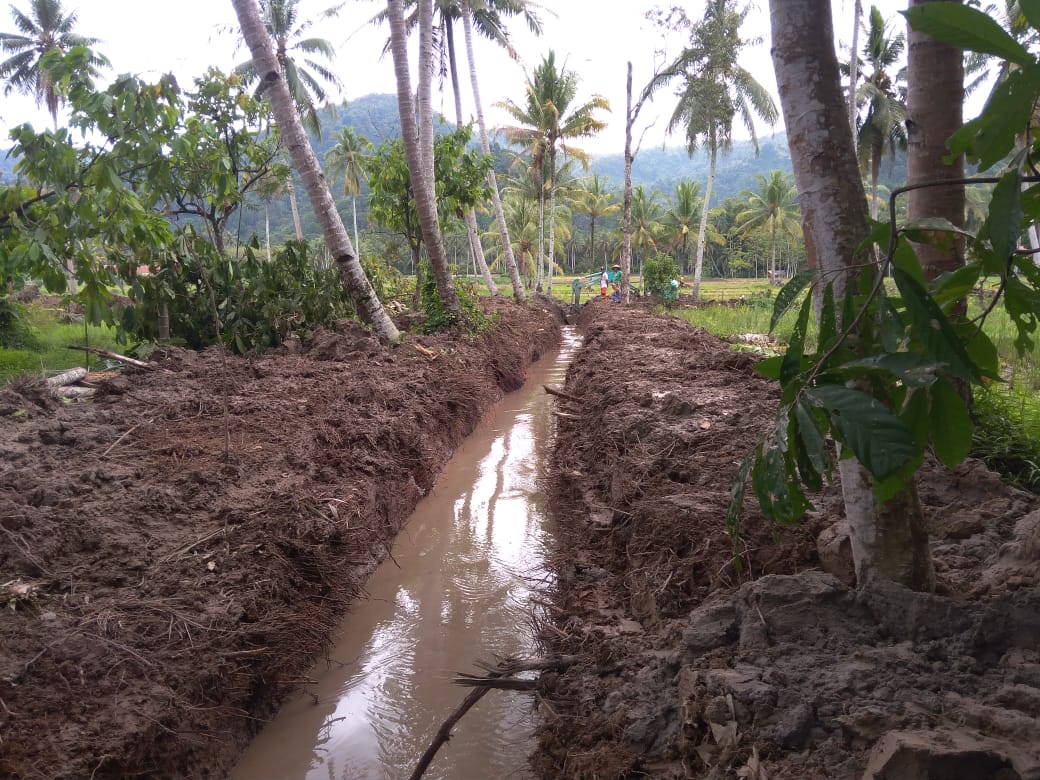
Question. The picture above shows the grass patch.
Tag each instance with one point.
(1007, 434)
(49, 353)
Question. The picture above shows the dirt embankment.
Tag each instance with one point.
(175, 553)
(782, 670)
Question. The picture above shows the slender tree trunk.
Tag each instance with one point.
(875, 175)
(418, 144)
(358, 287)
(357, 240)
(934, 112)
(295, 208)
(552, 220)
(703, 230)
(496, 199)
(163, 323)
(267, 228)
(541, 225)
(772, 254)
(626, 197)
(887, 541)
(475, 247)
(857, 13)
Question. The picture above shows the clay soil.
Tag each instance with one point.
(689, 668)
(175, 552)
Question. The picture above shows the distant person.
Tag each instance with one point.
(615, 278)
(604, 282)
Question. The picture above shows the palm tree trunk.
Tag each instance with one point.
(626, 198)
(857, 12)
(485, 146)
(887, 541)
(358, 287)
(418, 142)
(295, 208)
(552, 220)
(267, 228)
(541, 225)
(772, 258)
(353, 207)
(475, 247)
(703, 230)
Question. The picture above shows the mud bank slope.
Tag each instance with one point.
(781, 671)
(175, 553)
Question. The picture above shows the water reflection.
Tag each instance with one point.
(467, 558)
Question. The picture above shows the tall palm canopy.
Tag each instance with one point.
(546, 121)
(302, 59)
(597, 200)
(883, 94)
(773, 205)
(44, 28)
(714, 91)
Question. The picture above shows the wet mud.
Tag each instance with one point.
(176, 553)
(693, 669)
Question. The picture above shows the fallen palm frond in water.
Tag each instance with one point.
(499, 675)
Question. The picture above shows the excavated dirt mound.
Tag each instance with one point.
(175, 553)
(691, 668)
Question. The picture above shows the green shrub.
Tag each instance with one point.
(16, 331)
(437, 318)
(658, 273)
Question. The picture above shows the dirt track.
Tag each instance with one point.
(177, 551)
(782, 671)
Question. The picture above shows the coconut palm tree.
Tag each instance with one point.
(883, 94)
(548, 120)
(44, 28)
(683, 213)
(344, 159)
(646, 222)
(595, 199)
(715, 90)
(357, 284)
(774, 205)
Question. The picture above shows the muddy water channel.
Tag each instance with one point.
(456, 589)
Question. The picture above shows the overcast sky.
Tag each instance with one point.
(596, 38)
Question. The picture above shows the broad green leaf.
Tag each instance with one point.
(950, 423)
(770, 367)
(828, 320)
(892, 326)
(792, 364)
(1031, 10)
(966, 28)
(917, 229)
(910, 368)
(930, 327)
(905, 259)
(1005, 216)
(914, 415)
(956, 285)
(772, 479)
(811, 438)
(878, 439)
(981, 349)
(1023, 306)
(888, 488)
(991, 137)
(788, 295)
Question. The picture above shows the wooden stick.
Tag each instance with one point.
(505, 668)
(116, 356)
(561, 394)
(74, 392)
(67, 377)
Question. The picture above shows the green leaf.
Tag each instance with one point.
(736, 496)
(770, 367)
(910, 368)
(792, 364)
(1004, 220)
(951, 426)
(928, 324)
(991, 137)
(1023, 305)
(914, 415)
(828, 320)
(788, 295)
(772, 479)
(956, 285)
(966, 28)
(810, 436)
(878, 439)
(917, 229)
(1031, 11)
(892, 326)
(906, 260)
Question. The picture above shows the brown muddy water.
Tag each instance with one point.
(467, 564)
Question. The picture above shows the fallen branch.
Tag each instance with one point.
(116, 356)
(426, 351)
(131, 430)
(561, 394)
(566, 416)
(69, 377)
(504, 668)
